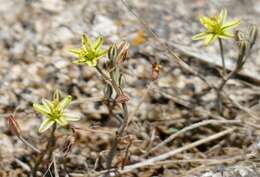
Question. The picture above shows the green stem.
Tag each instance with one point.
(222, 56)
(105, 77)
(122, 126)
(49, 149)
(52, 142)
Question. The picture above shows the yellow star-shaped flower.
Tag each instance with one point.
(90, 52)
(216, 28)
(55, 111)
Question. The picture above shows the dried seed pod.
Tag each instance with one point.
(123, 51)
(68, 144)
(14, 126)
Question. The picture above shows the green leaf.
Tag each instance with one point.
(173, 130)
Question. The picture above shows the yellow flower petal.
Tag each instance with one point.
(72, 116)
(65, 102)
(86, 42)
(41, 109)
(226, 35)
(98, 43)
(207, 22)
(47, 123)
(47, 104)
(62, 121)
(75, 51)
(210, 39)
(200, 36)
(222, 15)
(230, 24)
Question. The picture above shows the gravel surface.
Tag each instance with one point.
(35, 36)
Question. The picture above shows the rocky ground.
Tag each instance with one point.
(35, 36)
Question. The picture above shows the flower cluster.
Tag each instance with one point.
(216, 28)
(55, 111)
(90, 52)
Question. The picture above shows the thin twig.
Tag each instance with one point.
(191, 127)
(48, 169)
(176, 151)
(170, 162)
(167, 155)
(23, 165)
(56, 172)
(29, 144)
(206, 161)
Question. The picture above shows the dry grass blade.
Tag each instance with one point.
(172, 153)
(176, 151)
(191, 127)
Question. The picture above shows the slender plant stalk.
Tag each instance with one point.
(52, 142)
(49, 149)
(221, 86)
(122, 126)
(224, 72)
(105, 77)
(221, 47)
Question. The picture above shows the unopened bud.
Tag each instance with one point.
(121, 81)
(252, 35)
(243, 48)
(56, 95)
(239, 36)
(14, 126)
(112, 53)
(108, 91)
